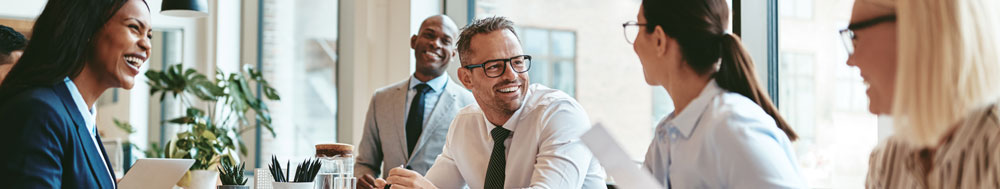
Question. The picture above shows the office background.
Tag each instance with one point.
(326, 58)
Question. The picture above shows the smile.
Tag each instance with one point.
(434, 54)
(508, 90)
(134, 62)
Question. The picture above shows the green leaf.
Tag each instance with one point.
(208, 135)
(183, 120)
(124, 126)
(243, 147)
(271, 93)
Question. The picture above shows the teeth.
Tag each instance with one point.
(133, 60)
(509, 89)
(432, 54)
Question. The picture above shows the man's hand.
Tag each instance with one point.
(401, 178)
(366, 182)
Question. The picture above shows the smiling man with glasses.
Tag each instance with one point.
(517, 135)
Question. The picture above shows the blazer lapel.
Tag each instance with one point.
(83, 135)
(107, 161)
(396, 113)
(437, 118)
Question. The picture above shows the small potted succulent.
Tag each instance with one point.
(305, 173)
(232, 176)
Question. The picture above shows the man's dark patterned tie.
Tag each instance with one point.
(498, 160)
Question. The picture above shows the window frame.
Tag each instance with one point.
(550, 58)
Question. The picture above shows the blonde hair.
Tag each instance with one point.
(948, 65)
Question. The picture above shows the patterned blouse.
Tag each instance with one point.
(968, 158)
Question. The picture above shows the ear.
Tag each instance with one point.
(451, 58)
(413, 41)
(465, 75)
(662, 41)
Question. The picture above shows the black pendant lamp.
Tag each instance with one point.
(184, 8)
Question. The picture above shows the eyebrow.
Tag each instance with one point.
(431, 29)
(141, 24)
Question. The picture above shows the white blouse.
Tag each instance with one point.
(722, 140)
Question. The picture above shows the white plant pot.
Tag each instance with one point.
(199, 179)
(292, 185)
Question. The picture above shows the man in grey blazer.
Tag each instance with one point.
(407, 121)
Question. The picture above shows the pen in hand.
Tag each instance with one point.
(388, 186)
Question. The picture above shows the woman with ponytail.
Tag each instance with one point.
(724, 131)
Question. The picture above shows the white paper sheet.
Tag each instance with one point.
(615, 161)
(155, 173)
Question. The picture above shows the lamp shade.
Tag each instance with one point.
(184, 8)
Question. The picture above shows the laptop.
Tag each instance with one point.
(155, 173)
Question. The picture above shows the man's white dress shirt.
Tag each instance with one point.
(543, 151)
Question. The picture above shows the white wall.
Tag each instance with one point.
(21, 8)
(374, 42)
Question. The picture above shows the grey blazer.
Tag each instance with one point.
(384, 137)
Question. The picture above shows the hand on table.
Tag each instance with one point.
(366, 182)
(401, 178)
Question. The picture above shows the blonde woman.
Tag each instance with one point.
(935, 67)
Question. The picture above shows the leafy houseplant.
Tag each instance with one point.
(212, 136)
(232, 176)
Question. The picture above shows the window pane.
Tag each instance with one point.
(553, 53)
(563, 44)
(540, 71)
(564, 77)
(821, 97)
(536, 42)
(300, 60)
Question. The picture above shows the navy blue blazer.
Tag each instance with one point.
(45, 143)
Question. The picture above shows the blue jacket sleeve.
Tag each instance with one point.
(33, 144)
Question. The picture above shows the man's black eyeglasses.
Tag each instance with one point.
(496, 67)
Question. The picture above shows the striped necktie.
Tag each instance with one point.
(498, 160)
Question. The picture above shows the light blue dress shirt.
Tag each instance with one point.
(722, 140)
(430, 99)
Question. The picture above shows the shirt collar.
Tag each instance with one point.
(89, 115)
(436, 84)
(687, 119)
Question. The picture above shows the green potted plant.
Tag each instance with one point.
(211, 136)
(232, 176)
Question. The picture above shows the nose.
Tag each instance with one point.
(145, 44)
(508, 74)
(851, 60)
(435, 44)
(634, 46)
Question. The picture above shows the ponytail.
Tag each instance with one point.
(736, 74)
